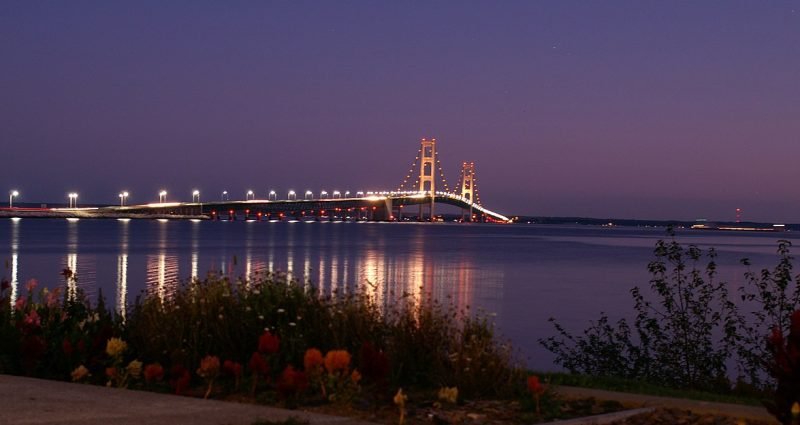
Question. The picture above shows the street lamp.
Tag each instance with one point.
(291, 195)
(11, 196)
(337, 194)
(323, 194)
(273, 196)
(196, 196)
(73, 200)
(162, 196)
(225, 195)
(360, 194)
(309, 194)
(122, 197)
(250, 195)
(347, 194)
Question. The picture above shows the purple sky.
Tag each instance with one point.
(626, 109)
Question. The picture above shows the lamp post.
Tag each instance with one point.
(323, 194)
(273, 196)
(162, 196)
(249, 195)
(337, 194)
(11, 196)
(309, 194)
(292, 195)
(346, 193)
(225, 195)
(73, 200)
(122, 197)
(196, 196)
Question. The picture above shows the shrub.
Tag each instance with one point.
(683, 339)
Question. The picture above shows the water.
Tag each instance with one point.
(523, 274)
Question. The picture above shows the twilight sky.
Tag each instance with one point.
(630, 109)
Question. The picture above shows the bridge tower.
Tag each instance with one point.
(427, 180)
(468, 186)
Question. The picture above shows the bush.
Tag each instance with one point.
(683, 339)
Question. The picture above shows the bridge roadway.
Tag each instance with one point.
(385, 206)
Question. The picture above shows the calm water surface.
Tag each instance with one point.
(523, 274)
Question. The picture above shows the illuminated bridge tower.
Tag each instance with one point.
(468, 186)
(427, 180)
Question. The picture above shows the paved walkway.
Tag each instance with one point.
(41, 402)
(738, 411)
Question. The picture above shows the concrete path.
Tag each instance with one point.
(42, 402)
(738, 411)
(36, 401)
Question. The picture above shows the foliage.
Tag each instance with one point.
(776, 295)
(217, 332)
(683, 339)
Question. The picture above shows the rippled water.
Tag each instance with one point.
(523, 274)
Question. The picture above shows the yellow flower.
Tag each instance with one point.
(400, 401)
(449, 395)
(795, 410)
(400, 398)
(115, 347)
(79, 373)
(135, 368)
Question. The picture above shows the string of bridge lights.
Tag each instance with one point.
(441, 173)
(411, 172)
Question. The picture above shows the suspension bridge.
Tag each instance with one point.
(417, 197)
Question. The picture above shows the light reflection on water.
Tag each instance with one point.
(524, 274)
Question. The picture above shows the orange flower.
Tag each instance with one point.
(312, 359)
(355, 376)
(337, 360)
(209, 367)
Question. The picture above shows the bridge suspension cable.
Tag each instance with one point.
(411, 169)
(441, 173)
(477, 192)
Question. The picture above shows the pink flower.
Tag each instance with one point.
(51, 300)
(20, 304)
(33, 319)
(31, 285)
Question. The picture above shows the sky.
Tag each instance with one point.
(626, 109)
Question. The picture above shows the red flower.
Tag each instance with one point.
(292, 382)
(258, 365)
(374, 364)
(67, 347)
(268, 343)
(232, 368)
(32, 349)
(153, 372)
(111, 372)
(180, 379)
(534, 386)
